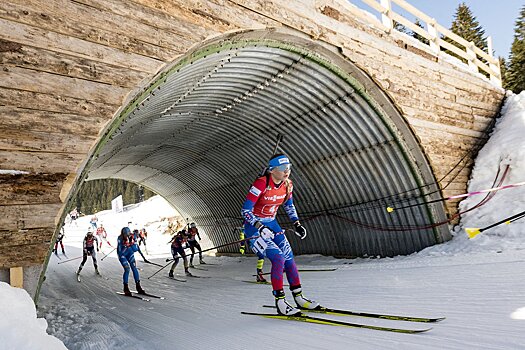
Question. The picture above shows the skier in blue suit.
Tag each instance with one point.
(126, 248)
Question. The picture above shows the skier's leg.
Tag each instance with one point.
(192, 248)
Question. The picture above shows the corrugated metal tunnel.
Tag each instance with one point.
(205, 127)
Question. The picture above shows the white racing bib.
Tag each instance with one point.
(259, 246)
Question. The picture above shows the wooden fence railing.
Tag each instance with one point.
(434, 32)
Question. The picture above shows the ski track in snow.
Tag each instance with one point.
(477, 297)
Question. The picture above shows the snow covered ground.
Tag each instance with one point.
(477, 284)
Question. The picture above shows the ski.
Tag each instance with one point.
(330, 311)
(176, 279)
(329, 322)
(198, 268)
(265, 283)
(133, 296)
(306, 270)
(59, 258)
(148, 295)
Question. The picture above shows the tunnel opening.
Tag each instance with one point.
(199, 134)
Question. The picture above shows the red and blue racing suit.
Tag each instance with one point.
(261, 204)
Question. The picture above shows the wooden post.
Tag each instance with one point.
(385, 16)
(495, 67)
(16, 277)
(471, 56)
(434, 42)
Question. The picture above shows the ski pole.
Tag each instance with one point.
(105, 256)
(473, 232)
(78, 257)
(391, 209)
(205, 250)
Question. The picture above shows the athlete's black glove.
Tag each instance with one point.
(299, 230)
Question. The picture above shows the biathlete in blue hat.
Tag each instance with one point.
(266, 194)
(126, 248)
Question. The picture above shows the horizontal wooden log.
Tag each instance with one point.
(41, 38)
(24, 248)
(30, 188)
(83, 22)
(19, 238)
(41, 162)
(42, 102)
(184, 24)
(51, 122)
(30, 216)
(53, 84)
(29, 140)
(19, 55)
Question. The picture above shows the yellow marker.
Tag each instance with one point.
(507, 222)
(389, 209)
(472, 232)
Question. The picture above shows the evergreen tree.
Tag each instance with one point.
(466, 26)
(400, 28)
(516, 68)
(503, 67)
(97, 195)
(417, 36)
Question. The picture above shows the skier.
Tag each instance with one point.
(89, 244)
(192, 232)
(143, 234)
(59, 240)
(136, 237)
(102, 235)
(94, 221)
(266, 194)
(178, 243)
(126, 248)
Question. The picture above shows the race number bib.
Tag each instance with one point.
(259, 246)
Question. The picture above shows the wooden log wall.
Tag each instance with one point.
(69, 66)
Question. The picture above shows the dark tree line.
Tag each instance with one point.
(97, 195)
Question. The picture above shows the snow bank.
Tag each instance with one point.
(19, 326)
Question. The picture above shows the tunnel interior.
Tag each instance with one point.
(202, 130)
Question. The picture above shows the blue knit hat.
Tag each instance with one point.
(280, 160)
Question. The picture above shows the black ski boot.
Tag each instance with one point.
(126, 290)
(139, 289)
(171, 274)
(260, 276)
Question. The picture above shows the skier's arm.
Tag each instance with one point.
(289, 208)
(253, 195)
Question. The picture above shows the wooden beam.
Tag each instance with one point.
(16, 277)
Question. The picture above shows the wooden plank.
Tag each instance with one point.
(18, 217)
(42, 82)
(217, 15)
(25, 255)
(29, 140)
(16, 277)
(90, 24)
(20, 238)
(19, 55)
(30, 188)
(41, 162)
(183, 23)
(56, 104)
(51, 122)
(41, 38)
(445, 128)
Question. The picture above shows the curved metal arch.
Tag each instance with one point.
(206, 122)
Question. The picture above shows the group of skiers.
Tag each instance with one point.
(265, 236)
